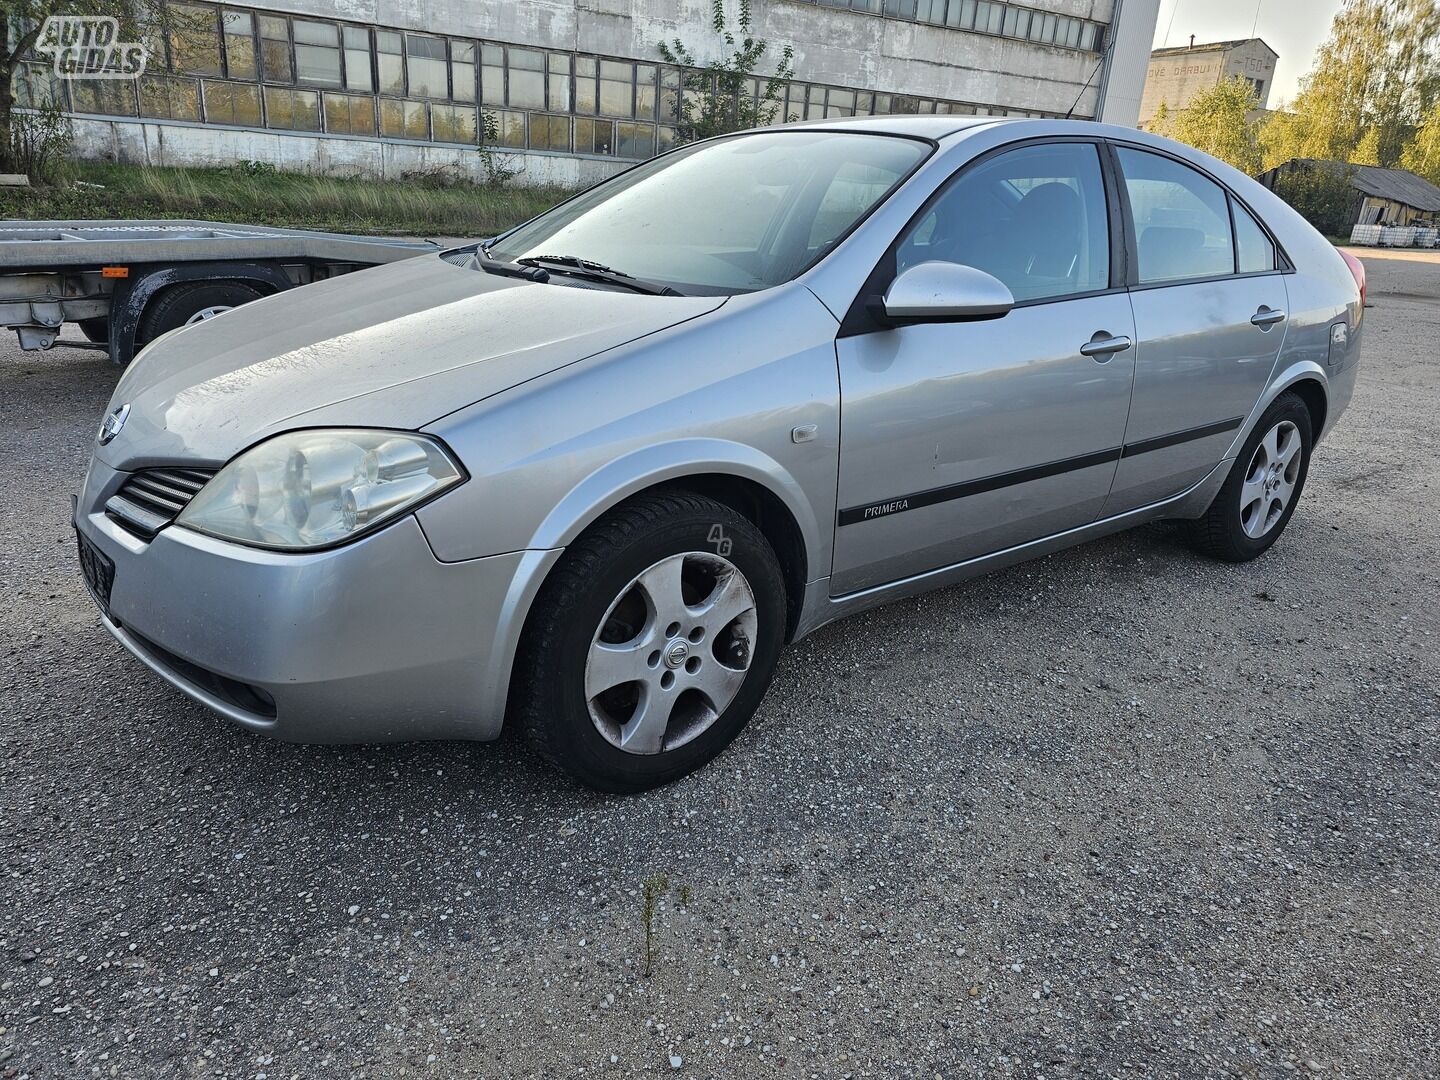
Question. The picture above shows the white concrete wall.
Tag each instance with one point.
(153, 142)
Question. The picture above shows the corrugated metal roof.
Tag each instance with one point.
(1398, 185)
(1210, 46)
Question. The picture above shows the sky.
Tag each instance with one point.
(1293, 28)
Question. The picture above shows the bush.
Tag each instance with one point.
(39, 142)
(1322, 196)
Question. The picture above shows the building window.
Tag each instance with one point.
(349, 114)
(462, 70)
(239, 33)
(232, 103)
(425, 64)
(509, 128)
(617, 88)
(404, 119)
(195, 39)
(292, 110)
(390, 62)
(646, 98)
(492, 74)
(35, 86)
(275, 50)
(317, 53)
(984, 17)
(526, 69)
(557, 82)
(109, 97)
(594, 136)
(357, 60)
(634, 140)
(550, 132)
(454, 123)
(585, 99)
(169, 98)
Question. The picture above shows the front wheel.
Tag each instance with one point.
(1261, 492)
(651, 644)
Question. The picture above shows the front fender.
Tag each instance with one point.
(675, 459)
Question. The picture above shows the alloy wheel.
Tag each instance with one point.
(671, 653)
(1270, 480)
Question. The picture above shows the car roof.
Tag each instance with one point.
(930, 126)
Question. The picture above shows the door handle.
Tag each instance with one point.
(1102, 348)
(1267, 317)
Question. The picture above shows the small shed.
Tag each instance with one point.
(1382, 196)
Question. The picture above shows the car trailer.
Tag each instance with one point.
(126, 282)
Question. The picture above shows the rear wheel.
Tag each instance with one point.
(1261, 492)
(184, 305)
(651, 644)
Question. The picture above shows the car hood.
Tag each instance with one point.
(397, 346)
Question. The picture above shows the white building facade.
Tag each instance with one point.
(573, 90)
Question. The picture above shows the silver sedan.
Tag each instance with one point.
(590, 476)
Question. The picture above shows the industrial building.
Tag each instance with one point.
(573, 90)
(1380, 196)
(1176, 76)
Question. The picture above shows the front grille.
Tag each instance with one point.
(152, 498)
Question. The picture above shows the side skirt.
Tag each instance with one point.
(821, 608)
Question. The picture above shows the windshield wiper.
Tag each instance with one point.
(585, 268)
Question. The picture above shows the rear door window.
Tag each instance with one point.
(1182, 219)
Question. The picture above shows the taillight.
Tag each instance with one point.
(1357, 268)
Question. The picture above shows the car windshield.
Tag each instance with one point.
(730, 216)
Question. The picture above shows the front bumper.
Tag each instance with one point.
(376, 641)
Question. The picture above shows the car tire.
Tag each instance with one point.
(191, 302)
(678, 590)
(1264, 486)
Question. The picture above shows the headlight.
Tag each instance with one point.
(313, 489)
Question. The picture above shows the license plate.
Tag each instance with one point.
(99, 572)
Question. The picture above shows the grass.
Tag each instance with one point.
(414, 207)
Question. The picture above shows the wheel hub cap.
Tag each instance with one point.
(676, 653)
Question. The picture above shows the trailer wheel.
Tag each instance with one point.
(181, 305)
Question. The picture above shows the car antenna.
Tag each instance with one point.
(1103, 57)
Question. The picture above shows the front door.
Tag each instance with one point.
(1210, 316)
(961, 439)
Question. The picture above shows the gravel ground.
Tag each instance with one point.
(1120, 812)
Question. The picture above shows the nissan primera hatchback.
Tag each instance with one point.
(589, 477)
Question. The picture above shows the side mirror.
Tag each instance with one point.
(944, 292)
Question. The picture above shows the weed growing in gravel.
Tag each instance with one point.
(655, 888)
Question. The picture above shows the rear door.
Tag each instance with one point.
(1210, 316)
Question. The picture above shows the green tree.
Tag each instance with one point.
(1422, 153)
(1373, 79)
(1217, 122)
(719, 95)
(1321, 195)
